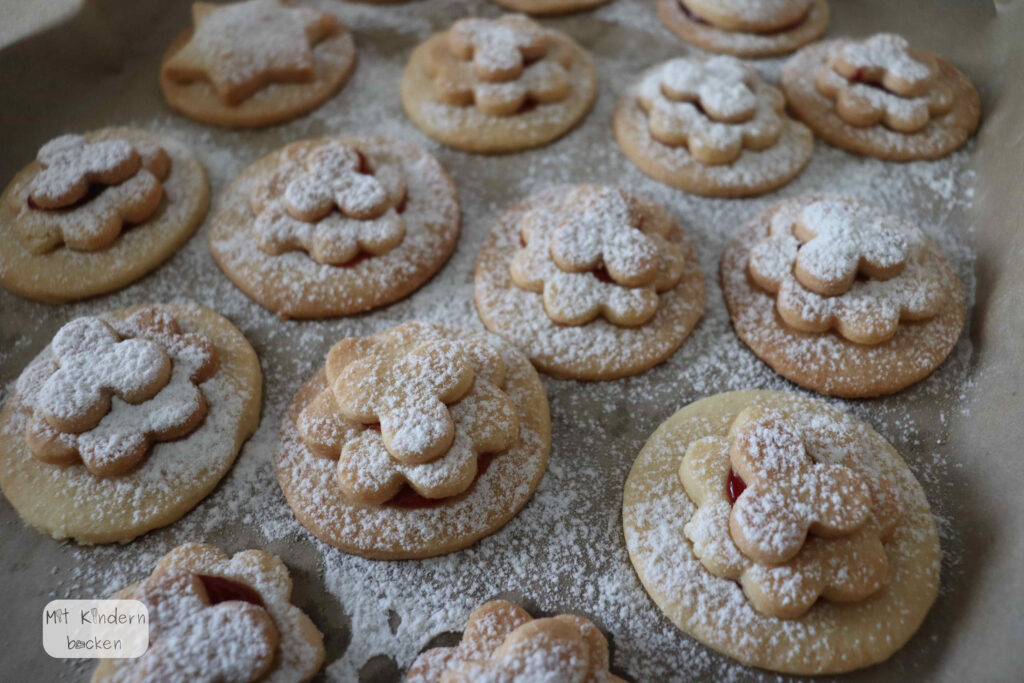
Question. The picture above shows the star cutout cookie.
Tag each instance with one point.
(242, 47)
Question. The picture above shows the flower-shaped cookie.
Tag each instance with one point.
(87, 192)
(592, 257)
(151, 368)
(881, 97)
(323, 198)
(812, 259)
(499, 65)
(502, 642)
(71, 164)
(710, 126)
(882, 80)
(798, 528)
(715, 108)
(196, 620)
(219, 618)
(498, 85)
(787, 494)
(409, 407)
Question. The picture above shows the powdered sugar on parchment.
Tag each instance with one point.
(564, 552)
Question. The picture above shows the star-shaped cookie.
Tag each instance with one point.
(242, 47)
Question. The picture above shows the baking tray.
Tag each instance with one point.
(960, 430)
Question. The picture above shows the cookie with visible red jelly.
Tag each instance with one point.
(214, 617)
(781, 532)
(336, 226)
(413, 442)
(97, 211)
(882, 97)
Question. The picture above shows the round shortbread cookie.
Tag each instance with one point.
(599, 349)
(831, 637)
(295, 285)
(756, 16)
(937, 138)
(419, 528)
(827, 362)
(470, 129)
(542, 7)
(66, 274)
(685, 23)
(70, 502)
(753, 172)
(300, 647)
(334, 60)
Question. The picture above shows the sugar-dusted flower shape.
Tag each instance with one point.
(114, 388)
(788, 495)
(409, 407)
(195, 620)
(802, 528)
(502, 642)
(71, 164)
(815, 253)
(499, 65)
(716, 108)
(241, 47)
(882, 80)
(214, 617)
(86, 192)
(592, 256)
(325, 200)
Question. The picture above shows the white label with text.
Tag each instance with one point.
(95, 629)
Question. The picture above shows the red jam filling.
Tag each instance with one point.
(861, 76)
(220, 589)
(735, 487)
(408, 498)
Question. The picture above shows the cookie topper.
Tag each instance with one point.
(429, 384)
(811, 259)
(592, 255)
(788, 494)
(146, 361)
(242, 47)
(502, 641)
(801, 530)
(499, 65)
(324, 198)
(88, 190)
(882, 80)
(716, 108)
(195, 632)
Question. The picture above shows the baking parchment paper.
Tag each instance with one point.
(961, 430)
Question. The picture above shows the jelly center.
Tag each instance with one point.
(220, 589)
(734, 487)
